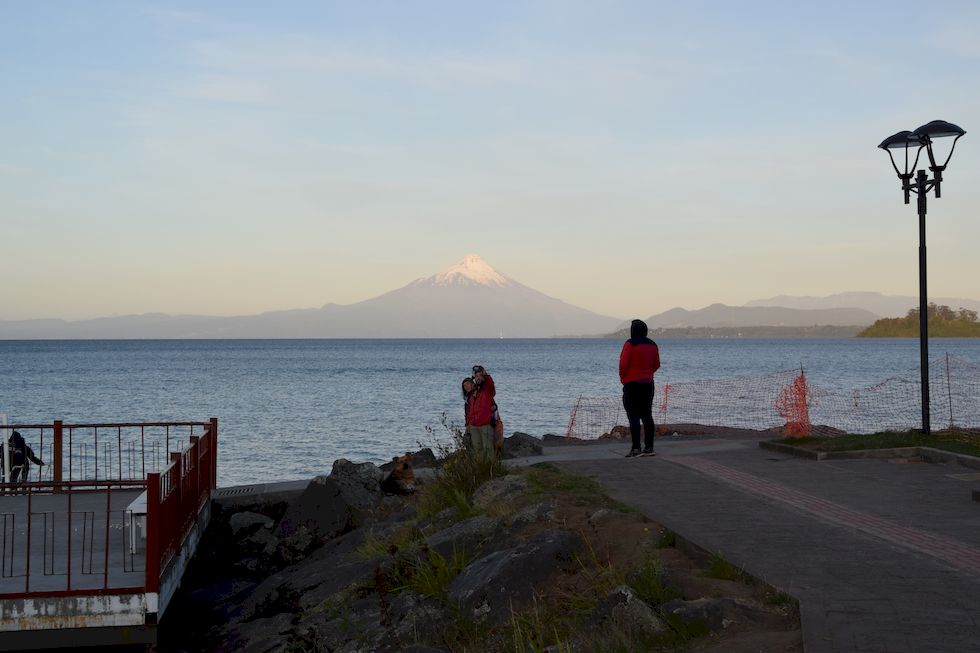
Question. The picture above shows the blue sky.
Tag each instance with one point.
(235, 157)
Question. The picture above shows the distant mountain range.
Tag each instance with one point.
(472, 300)
(720, 315)
(468, 300)
(882, 305)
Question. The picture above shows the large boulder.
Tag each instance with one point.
(317, 515)
(245, 523)
(412, 618)
(266, 635)
(467, 535)
(499, 491)
(551, 439)
(706, 612)
(332, 568)
(521, 445)
(356, 625)
(360, 483)
(532, 514)
(491, 586)
(421, 458)
(623, 608)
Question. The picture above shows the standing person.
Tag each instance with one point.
(480, 414)
(467, 389)
(21, 457)
(638, 361)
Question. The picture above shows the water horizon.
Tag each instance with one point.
(289, 407)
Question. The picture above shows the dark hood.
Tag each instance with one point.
(638, 329)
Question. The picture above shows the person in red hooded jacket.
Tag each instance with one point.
(638, 362)
(480, 417)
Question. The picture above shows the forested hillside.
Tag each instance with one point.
(944, 322)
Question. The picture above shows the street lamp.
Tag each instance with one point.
(923, 137)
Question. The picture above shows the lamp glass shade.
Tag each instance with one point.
(939, 129)
(901, 140)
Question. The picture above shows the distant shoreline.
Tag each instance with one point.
(753, 332)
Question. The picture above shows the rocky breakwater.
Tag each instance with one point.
(482, 557)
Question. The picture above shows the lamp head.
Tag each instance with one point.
(903, 140)
(930, 131)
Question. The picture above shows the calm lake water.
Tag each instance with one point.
(288, 408)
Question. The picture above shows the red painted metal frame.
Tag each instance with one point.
(175, 497)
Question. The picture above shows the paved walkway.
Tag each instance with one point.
(884, 557)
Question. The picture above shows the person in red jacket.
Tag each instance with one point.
(638, 361)
(480, 414)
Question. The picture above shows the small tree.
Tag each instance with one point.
(967, 315)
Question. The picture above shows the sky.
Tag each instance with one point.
(230, 158)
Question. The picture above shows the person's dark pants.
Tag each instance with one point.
(638, 402)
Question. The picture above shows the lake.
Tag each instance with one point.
(288, 408)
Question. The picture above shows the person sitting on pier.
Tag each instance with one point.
(21, 457)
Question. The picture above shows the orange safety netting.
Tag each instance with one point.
(788, 403)
(792, 405)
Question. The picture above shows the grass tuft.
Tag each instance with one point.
(722, 569)
(667, 539)
(462, 471)
(428, 573)
(650, 583)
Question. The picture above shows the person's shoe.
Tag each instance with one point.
(633, 453)
(648, 451)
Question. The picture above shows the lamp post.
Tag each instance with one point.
(923, 137)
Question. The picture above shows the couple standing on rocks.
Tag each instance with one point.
(483, 423)
(638, 362)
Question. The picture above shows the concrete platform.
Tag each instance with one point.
(100, 539)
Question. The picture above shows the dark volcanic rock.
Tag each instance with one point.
(490, 587)
(360, 483)
(521, 445)
(624, 608)
(320, 513)
(467, 535)
(245, 523)
(330, 569)
(709, 612)
(499, 491)
(552, 439)
(267, 635)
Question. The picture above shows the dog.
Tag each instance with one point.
(401, 479)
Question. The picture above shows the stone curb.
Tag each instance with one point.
(928, 453)
(238, 496)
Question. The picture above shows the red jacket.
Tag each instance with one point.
(638, 361)
(481, 403)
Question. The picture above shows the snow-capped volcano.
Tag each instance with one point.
(471, 270)
(468, 300)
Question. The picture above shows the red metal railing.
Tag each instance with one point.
(84, 545)
(175, 498)
(117, 451)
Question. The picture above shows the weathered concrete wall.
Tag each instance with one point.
(76, 611)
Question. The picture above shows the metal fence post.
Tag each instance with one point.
(56, 471)
(153, 528)
(214, 452)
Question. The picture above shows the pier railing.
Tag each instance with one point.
(106, 514)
